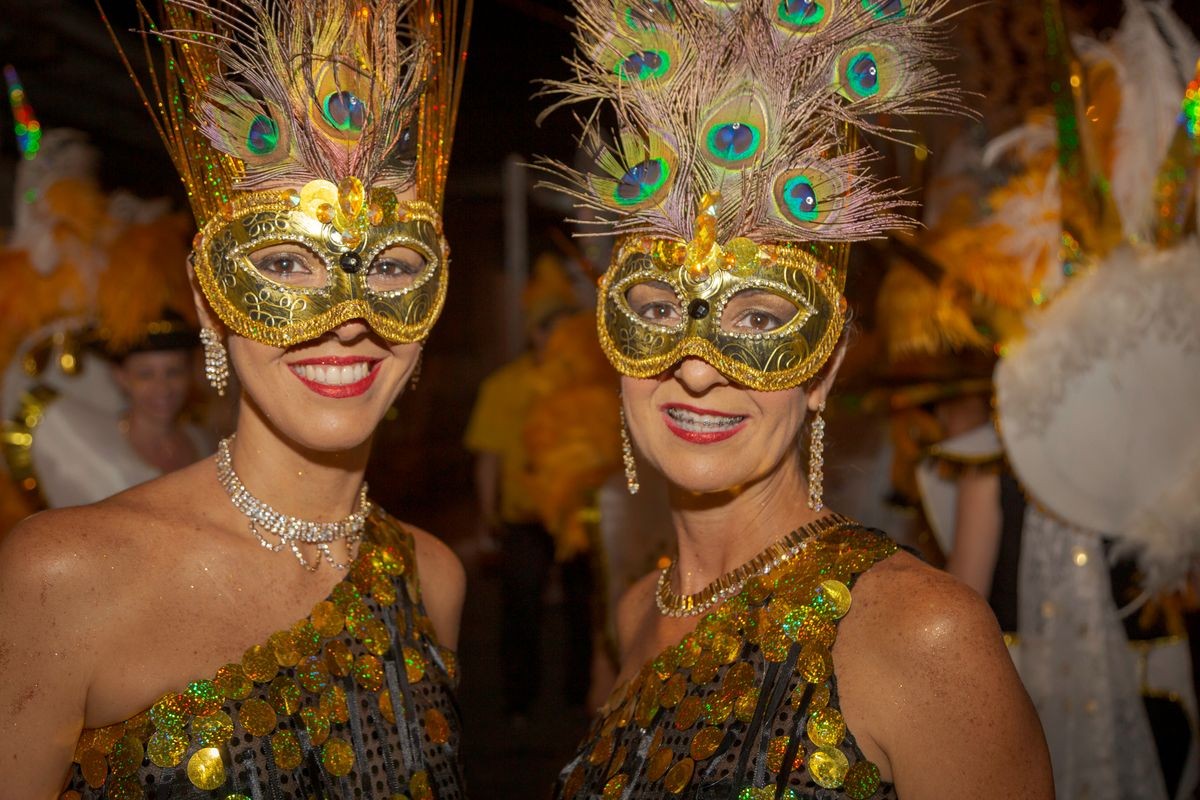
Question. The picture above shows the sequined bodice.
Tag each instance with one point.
(355, 700)
(746, 706)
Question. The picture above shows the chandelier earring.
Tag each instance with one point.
(816, 461)
(216, 360)
(631, 476)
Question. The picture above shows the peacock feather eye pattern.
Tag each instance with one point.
(263, 136)
(642, 65)
(887, 9)
(345, 111)
(735, 133)
(642, 182)
(801, 14)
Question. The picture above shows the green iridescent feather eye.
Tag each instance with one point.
(870, 70)
(806, 196)
(887, 9)
(642, 182)
(735, 133)
(642, 65)
(344, 111)
(801, 15)
(263, 137)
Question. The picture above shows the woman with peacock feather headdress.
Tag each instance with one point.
(182, 638)
(788, 651)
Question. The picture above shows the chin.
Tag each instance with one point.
(704, 475)
(330, 432)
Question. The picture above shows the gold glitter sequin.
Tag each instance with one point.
(718, 707)
(705, 668)
(94, 767)
(615, 786)
(202, 698)
(286, 749)
(862, 780)
(257, 717)
(739, 678)
(231, 681)
(126, 756)
(339, 658)
(828, 766)
(313, 674)
(672, 691)
(687, 712)
(259, 664)
(414, 665)
(418, 786)
(705, 743)
(725, 648)
(333, 704)
(205, 769)
(815, 663)
(168, 713)
(368, 672)
(659, 763)
(107, 738)
(375, 637)
(603, 749)
(124, 788)
(573, 784)
(337, 757)
(385, 706)
(166, 748)
(436, 726)
(284, 696)
(308, 640)
(213, 730)
(746, 704)
(283, 646)
(647, 704)
(834, 599)
(777, 751)
(327, 619)
(618, 760)
(826, 727)
(679, 776)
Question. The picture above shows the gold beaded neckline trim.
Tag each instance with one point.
(672, 604)
(291, 531)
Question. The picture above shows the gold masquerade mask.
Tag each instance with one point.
(749, 112)
(764, 316)
(313, 137)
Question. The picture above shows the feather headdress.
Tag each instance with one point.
(759, 100)
(267, 94)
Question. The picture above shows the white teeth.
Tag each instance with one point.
(333, 375)
(690, 420)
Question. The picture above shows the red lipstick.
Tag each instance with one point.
(342, 390)
(693, 431)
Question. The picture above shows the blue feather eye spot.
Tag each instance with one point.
(345, 111)
(733, 141)
(644, 65)
(886, 9)
(801, 198)
(263, 137)
(863, 75)
(801, 13)
(641, 182)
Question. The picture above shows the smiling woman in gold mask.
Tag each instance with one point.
(788, 651)
(254, 625)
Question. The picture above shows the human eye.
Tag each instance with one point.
(397, 267)
(655, 302)
(756, 311)
(290, 264)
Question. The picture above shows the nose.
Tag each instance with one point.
(697, 375)
(351, 331)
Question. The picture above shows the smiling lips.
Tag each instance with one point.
(336, 376)
(699, 425)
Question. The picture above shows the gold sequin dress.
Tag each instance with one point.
(746, 706)
(354, 701)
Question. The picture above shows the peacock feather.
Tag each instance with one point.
(760, 101)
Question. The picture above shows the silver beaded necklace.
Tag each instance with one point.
(291, 531)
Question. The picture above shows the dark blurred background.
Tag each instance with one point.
(421, 472)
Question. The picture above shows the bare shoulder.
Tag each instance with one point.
(632, 611)
(927, 683)
(443, 583)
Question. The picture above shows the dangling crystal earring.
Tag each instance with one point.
(216, 360)
(816, 461)
(631, 476)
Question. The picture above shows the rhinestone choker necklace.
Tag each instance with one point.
(291, 531)
(672, 604)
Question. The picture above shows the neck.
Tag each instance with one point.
(719, 532)
(295, 480)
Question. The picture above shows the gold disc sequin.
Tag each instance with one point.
(283, 646)
(316, 724)
(679, 776)
(308, 640)
(862, 780)
(718, 707)
(744, 708)
(333, 704)
(126, 756)
(337, 757)
(205, 769)
(834, 599)
(201, 698)
(287, 750)
(259, 664)
(106, 738)
(687, 712)
(166, 748)
(418, 786)
(284, 695)
(128, 787)
(368, 672)
(338, 658)
(615, 786)
(385, 706)
(603, 749)
(436, 726)
(659, 763)
(828, 767)
(231, 681)
(826, 727)
(573, 784)
(213, 730)
(375, 637)
(313, 674)
(168, 713)
(815, 663)
(94, 768)
(705, 743)
(672, 691)
(327, 619)
(725, 648)
(257, 717)
(414, 665)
